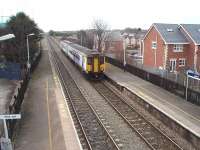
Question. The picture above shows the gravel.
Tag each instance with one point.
(123, 135)
(173, 135)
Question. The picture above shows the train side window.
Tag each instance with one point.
(89, 60)
(101, 60)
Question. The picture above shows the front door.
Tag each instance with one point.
(172, 65)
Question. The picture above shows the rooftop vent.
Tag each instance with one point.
(170, 30)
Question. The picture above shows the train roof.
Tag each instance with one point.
(82, 49)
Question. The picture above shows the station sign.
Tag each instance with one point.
(193, 75)
(10, 116)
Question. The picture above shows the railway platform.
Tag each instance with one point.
(180, 115)
(7, 90)
(46, 121)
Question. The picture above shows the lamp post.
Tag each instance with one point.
(28, 61)
(124, 46)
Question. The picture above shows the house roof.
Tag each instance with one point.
(170, 33)
(193, 30)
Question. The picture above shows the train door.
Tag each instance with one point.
(102, 63)
(89, 64)
(96, 64)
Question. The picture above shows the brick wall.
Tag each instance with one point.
(150, 58)
(198, 59)
(178, 55)
(190, 50)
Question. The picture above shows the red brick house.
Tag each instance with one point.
(172, 47)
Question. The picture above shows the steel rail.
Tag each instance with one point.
(69, 97)
(114, 145)
(125, 117)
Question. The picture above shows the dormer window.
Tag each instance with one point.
(170, 30)
(178, 48)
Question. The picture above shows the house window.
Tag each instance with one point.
(153, 45)
(178, 48)
(181, 62)
(172, 65)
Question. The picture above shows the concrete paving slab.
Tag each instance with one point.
(185, 113)
(43, 124)
(7, 89)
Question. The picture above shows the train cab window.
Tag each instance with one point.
(89, 60)
(101, 60)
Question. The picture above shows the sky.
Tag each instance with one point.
(65, 15)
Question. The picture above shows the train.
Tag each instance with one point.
(91, 62)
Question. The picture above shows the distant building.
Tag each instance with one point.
(116, 40)
(133, 39)
(172, 47)
(72, 38)
(113, 42)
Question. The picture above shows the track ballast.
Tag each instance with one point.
(154, 138)
(91, 131)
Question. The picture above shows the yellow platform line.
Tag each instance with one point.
(48, 113)
(147, 96)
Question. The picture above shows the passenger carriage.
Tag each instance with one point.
(91, 62)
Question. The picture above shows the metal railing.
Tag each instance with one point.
(166, 83)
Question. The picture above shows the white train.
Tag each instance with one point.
(91, 62)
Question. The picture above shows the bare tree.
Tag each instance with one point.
(82, 37)
(86, 38)
(100, 28)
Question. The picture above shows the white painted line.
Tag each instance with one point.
(67, 108)
(48, 114)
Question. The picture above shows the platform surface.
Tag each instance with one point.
(7, 91)
(46, 122)
(175, 107)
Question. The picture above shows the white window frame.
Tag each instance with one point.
(173, 59)
(154, 45)
(178, 48)
(183, 62)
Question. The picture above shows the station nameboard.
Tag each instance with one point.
(11, 116)
(193, 75)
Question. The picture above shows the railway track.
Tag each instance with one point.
(91, 131)
(154, 138)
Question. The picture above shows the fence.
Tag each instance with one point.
(178, 77)
(172, 86)
(10, 70)
(15, 104)
(17, 99)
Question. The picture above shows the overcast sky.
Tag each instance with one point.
(79, 14)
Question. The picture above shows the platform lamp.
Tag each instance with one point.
(124, 47)
(7, 37)
(28, 52)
